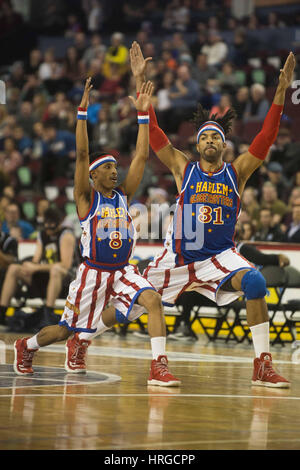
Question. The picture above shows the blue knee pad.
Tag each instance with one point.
(254, 285)
(121, 318)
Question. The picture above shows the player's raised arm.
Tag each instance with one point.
(82, 187)
(249, 161)
(136, 169)
(159, 142)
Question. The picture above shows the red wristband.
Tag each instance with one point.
(82, 109)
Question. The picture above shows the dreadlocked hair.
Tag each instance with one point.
(203, 115)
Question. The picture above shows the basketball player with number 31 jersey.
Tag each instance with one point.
(199, 252)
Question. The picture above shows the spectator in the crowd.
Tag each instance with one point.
(286, 152)
(292, 234)
(25, 118)
(12, 218)
(49, 67)
(250, 202)
(117, 53)
(258, 105)
(216, 49)
(276, 176)
(10, 157)
(270, 200)
(239, 50)
(72, 65)
(34, 61)
(246, 232)
(267, 231)
(163, 102)
(240, 101)
(106, 133)
(203, 73)
(59, 150)
(177, 15)
(8, 255)
(183, 95)
(96, 50)
(222, 107)
(50, 267)
(197, 45)
(42, 205)
(226, 79)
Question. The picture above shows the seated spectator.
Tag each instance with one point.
(117, 53)
(96, 50)
(250, 202)
(106, 134)
(246, 232)
(222, 107)
(216, 49)
(239, 51)
(42, 205)
(292, 234)
(276, 176)
(59, 150)
(267, 231)
(286, 152)
(270, 200)
(176, 15)
(10, 157)
(8, 255)
(12, 218)
(183, 95)
(163, 102)
(240, 101)
(25, 118)
(226, 79)
(49, 269)
(258, 105)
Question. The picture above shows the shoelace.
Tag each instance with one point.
(266, 369)
(162, 368)
(79, 353)
(27, 358)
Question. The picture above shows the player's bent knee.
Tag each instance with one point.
(254, 285)
(151, 300)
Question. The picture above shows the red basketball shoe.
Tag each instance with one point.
(160, 375)
(265, 375)
(23, 357)
(76, 351)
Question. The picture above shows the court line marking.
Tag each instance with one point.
(133, 353)
(148, 395)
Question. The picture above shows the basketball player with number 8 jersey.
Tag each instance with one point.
(107, 241)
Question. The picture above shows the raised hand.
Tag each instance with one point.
(85, 97)
(286, 74)
(143, 102)
(137, 61)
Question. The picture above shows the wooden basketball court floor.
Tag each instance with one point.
(111, 408)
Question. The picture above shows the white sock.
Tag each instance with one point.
(158, 345)
(32, 343)
(100, 329)
(260, 338)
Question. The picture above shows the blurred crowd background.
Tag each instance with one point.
(217, 53)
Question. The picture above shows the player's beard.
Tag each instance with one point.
(211, 156)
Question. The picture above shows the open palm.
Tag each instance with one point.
(143, 102)
(137, 61)
(286, 74)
